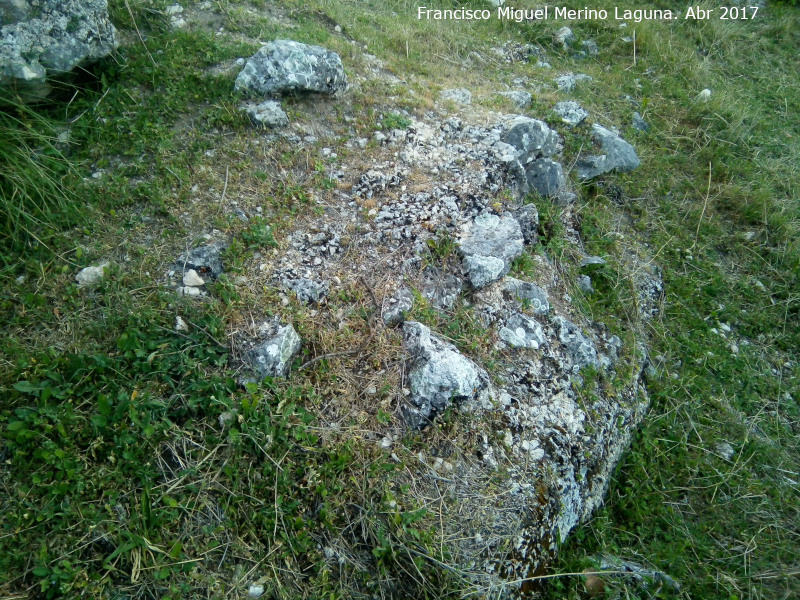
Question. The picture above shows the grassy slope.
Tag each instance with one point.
(116, 468)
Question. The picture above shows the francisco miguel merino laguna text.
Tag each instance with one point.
(557, 13)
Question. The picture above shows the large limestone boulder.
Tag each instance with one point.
(49, 37)
(285, 66)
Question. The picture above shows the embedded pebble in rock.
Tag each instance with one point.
(528, 219)
(457, 95)
(91, 275)
(523, 332)
(401, 302)
(268, 114)
(284, 66)
(617, 155)
(489, 245)
(528, 293)
(273, 357)
(520, 99)
(439, 375)
(191, 278)
(570, 112)
(567, 82)
(580, 348)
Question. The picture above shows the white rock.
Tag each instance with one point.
(91, 275)
(255, 591)
(704, 96)
(189, 291)
(192, 279)
(180, 324)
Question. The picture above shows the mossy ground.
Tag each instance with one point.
(133, 466)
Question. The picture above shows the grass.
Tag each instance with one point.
(132, 462)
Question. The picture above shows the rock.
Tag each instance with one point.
(639, 123)
(617, 155)
(528, 219)
(441, 288)
(308, 291)
(91, 275)
(205, 260)
(489, 246)
(268, 114)
(192, 279)
(439, 375)
(725, 450)
(457, 95)
(546, 177)
(580, 348)
(180, 324)
(523, 332)
(284, 66)
(255, 591)
(49, 37)
(567, 83)
(570, 112)
(529, 294)
(401, 302)
(591, 263)
(590, 47)
(703, 96)
(520, 99)
(189, 291)
(174, 12)
(273, 358)
(532, 139)
(564, 37)
(585, 284)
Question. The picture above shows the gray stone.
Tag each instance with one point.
(255, 591)
(52, 37)
(590, 47)
(592, 263)
(483, 270)
(206, 260)
(546, 176)
(564, 37)
(273, 357)
(401, 302)
(520, 99)
(585, 284)
(308, 291)
(268, 114)
(523, 332)
(439, 375)
(528, 219)
(570, 112)
(580, 349)
(441, 288)
(567, 82)
(532, 139)
(91, 275)
(639, 123)
(529, 294)
(618, 155)
(489, 246)
(284, 66)
(457, 95)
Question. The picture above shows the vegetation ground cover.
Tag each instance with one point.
(132, 463)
